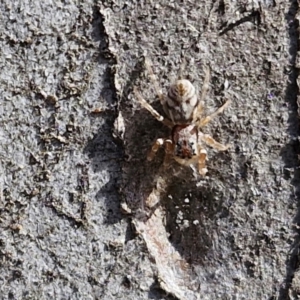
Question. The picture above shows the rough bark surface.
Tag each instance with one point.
(74, 142)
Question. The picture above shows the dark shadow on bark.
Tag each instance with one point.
(191, 215)
(157, 293)
(291, 151)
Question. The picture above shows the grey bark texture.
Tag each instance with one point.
(74, 141)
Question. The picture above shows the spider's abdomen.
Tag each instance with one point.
(181, 101)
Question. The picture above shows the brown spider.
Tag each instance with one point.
(184, 111)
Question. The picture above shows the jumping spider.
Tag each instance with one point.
(184, 111)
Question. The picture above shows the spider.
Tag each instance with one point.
(184, 112)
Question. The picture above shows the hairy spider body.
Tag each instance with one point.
(184, 111)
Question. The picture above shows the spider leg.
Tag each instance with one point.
(214, 144)
(199, 109)
(207, 119)
(157, 144)
(182, 68)
(169, 152)
(202, 162)
(152, 111)
(154, 81)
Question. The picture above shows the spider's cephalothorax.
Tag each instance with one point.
(184, 111)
